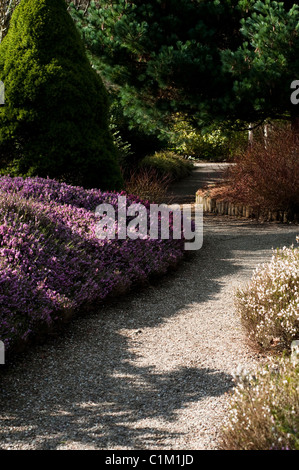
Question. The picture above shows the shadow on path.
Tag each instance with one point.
(183, 192)
(87, 386)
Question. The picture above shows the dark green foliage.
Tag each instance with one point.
(54, 122)
(161, 57)
(266, 63)
(141, 142)
(212, 60)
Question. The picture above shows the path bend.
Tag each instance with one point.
(151, 371)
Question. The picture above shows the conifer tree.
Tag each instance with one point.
(163, 56)
(214, 61)
(266, 63)
(54, 121)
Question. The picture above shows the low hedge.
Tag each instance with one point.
(52, 262)
(264, 406)
(266, 175)
(168, 164)
(269, 304)
(263, 412)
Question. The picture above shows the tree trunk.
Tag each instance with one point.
(266, 134)
(250, 135)
(6, 9)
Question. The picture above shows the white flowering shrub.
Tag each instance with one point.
(263, 410)
(269, 305)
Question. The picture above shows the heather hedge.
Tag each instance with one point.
(263, 412)
(51, 261)
(269, 304)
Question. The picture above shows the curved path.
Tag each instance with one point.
(183, 192)
(150, 371)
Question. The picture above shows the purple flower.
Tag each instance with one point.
(52, 263)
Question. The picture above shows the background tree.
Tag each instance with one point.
(266, 63)
(54, 122)
(6, 10)
(214, 61)
(161, 57)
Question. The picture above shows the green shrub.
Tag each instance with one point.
(269, 305)
(168, 163)
(133, 143)
(214, 144)
(54, 122)
(264, 410)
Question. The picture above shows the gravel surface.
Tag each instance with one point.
(203, 174)
(149, 371)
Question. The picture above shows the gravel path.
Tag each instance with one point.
(150, 371)
(203, 174)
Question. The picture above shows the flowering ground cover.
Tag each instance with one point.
(51, 261)
(269, 305)
(263, 412)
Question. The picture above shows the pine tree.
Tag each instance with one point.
(266, 63)
(214, 61)
(54, 122)
(161, 57)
